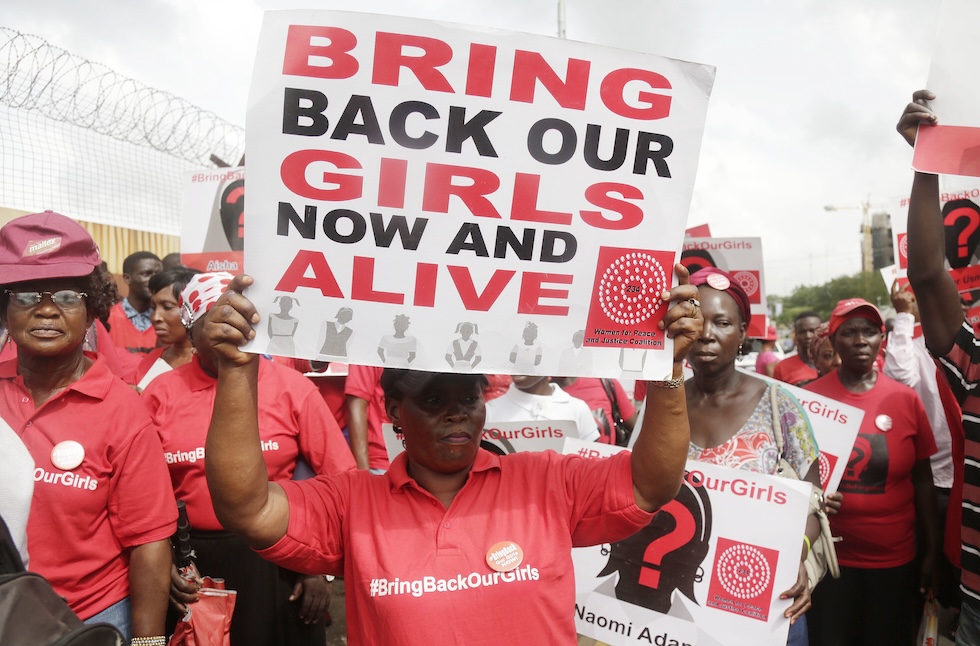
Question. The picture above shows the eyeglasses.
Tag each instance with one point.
(63, 298)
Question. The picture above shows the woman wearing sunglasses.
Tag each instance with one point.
(103, 507)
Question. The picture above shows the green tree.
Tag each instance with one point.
(823, 298)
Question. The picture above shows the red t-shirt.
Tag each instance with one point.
(365, 382)
(792, 370)
(293, 421)
(877, 516)
(83, 520)
(126, 336)
(417, 573)
(147, 361)
(590, 390)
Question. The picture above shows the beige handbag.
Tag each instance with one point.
(823, 555)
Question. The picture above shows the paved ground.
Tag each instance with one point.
(337, 632)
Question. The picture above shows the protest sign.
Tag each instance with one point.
(953, 146)
(709, 568)
(417, 178)
(212, 220)
(698, 231)
(835, 427)
(961, 217)
(893, 274)
(740, 257)
(504, 438)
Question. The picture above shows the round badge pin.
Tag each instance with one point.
(719, 282)
(67, 455)
(505, 556)
(884, 423)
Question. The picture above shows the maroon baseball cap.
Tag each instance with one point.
(45, 245)
(854, 307)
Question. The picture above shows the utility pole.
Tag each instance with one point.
(561, 18)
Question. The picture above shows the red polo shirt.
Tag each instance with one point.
(83, 519)
(125, 335)
(417, 573)
(293, 421)
(792, 370)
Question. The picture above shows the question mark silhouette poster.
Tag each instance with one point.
(212, 235)
(707, 571)
(961, 217)
(740, 257)
(420, 174)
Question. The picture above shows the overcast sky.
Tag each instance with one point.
(802, 113)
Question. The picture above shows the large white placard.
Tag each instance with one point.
(409, 177)
(707, 571)
(953, 146)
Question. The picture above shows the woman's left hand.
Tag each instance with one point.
(800, 594)
(683, 321)
(313, 594)
(832, 503)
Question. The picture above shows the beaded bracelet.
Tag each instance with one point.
(158, 640)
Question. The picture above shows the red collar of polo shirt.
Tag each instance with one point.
(198, 379)
(95, 383)
(398, 471)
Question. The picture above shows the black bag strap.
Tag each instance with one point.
(10, 561)
(607, 385)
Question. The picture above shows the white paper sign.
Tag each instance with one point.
(953, 146)
(740, 257)
(504, 438)
(835, 427)
(413, 176)
(708, 570)
(212, 226)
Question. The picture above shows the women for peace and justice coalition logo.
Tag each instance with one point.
(626, 298)
(630, 288)
(749, 281)
(742, 579)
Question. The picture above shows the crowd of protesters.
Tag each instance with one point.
(115, 408)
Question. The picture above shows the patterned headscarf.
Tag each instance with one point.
(200, 295)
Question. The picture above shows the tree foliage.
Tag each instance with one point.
(823, 298)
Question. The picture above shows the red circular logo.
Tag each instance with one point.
(630, 288)
(747, 281)
(744, 571)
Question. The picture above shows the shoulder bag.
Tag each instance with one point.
(822, 558)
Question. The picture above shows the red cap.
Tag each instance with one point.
(854, 307)
(771, 334)
(45, 245)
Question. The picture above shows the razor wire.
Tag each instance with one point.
(79, 138)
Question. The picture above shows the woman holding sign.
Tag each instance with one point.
(734, 415)
(887, 489)
(451, 530)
